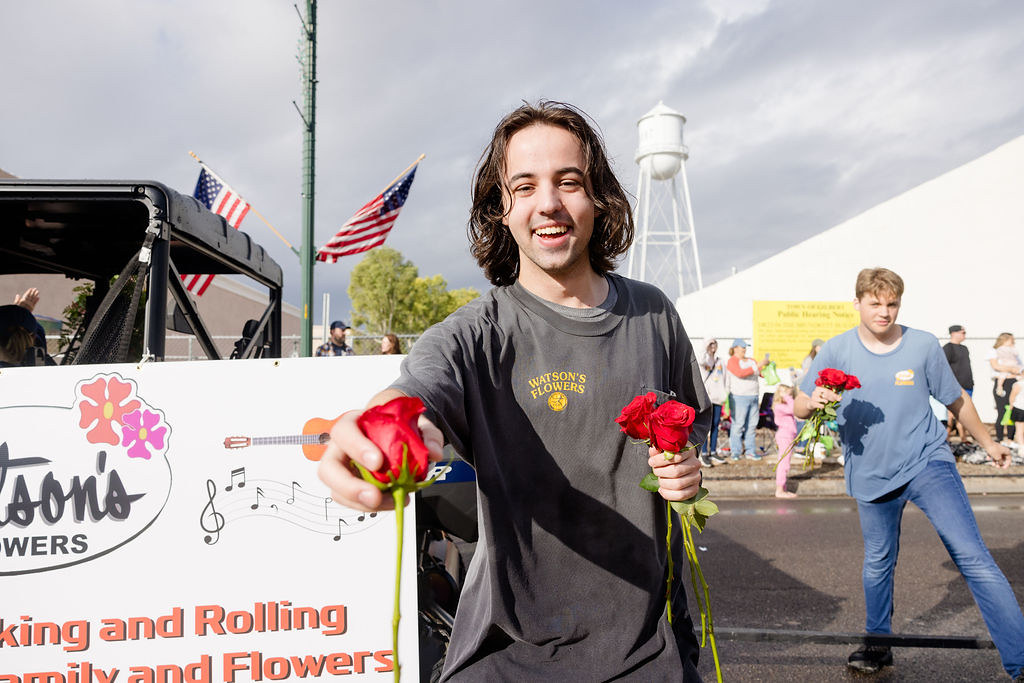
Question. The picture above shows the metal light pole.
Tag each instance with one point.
(307, 58)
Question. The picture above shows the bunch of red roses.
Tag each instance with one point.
(393, 428)
(815, 429)
(667, 428)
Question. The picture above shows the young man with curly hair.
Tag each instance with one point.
(567, 581)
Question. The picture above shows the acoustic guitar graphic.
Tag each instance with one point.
(314, 438)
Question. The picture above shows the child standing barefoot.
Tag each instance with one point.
(782, 408)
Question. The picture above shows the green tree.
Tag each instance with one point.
(381, 287)
(389, 296)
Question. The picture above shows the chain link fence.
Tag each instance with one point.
(185, 347)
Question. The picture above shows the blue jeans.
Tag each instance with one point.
(711, 443)
(939, 492)
(744, 424)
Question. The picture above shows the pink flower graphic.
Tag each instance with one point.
(140, 432)
(105, 403)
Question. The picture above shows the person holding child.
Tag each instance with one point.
(1006, 369)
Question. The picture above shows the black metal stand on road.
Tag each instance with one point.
(753, 635)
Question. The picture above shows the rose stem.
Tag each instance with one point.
(399, 495)
(668, 547)
(708, 629)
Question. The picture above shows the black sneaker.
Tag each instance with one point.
(870, 658)
(716, 459)
(704, 460)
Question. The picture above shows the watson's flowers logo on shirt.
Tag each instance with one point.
(905, 378)
(77, 482)
(555, 385)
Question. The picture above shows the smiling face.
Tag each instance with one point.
(550, 212)
(878, 313)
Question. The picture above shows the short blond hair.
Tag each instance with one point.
(879, 281)
(1002, 339)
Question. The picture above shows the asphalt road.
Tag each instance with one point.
(795, 565)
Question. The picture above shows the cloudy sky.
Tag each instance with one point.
(801, 114)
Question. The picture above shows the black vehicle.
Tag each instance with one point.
(132, 239)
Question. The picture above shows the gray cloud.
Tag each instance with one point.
(800, 114)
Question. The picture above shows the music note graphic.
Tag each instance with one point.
(291, 500)
(327, 501)
(259, 494)
(218, 519)
(362, 517)
(340, 522)
(236, 474)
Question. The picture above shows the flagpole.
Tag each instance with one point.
(399, 176)
(307, 255)
(251, 207)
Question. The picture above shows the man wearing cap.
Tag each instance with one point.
(741, 378)
(959, 358)
(337, 345)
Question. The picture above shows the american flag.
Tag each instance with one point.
(215, 195)
(369, 227)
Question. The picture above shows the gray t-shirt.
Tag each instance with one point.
(568, 578)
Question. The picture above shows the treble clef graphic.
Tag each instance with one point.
(218, 519)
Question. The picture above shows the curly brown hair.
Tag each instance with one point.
(490, 240)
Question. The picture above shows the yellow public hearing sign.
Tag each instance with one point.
(785, 329)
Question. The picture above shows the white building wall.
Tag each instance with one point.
(955, 240)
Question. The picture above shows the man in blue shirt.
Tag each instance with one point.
(896, 451)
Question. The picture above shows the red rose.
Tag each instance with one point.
(392, 427)
(831, 378)
(636, 416)
(670, 426)
(852, 382)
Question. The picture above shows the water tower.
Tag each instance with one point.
(664, 252)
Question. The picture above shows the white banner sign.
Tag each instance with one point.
(164, 522)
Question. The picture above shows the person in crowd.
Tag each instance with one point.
(896, 452)
(1006, 357)
(714, 383)
(338, 344)
(39, 355)
(805, 365)
(959, 358)
(782, 411)
(1006, 370)
(562, 519)
(1016, 399)
(742, 382)
(390, 344)
(17, 334)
